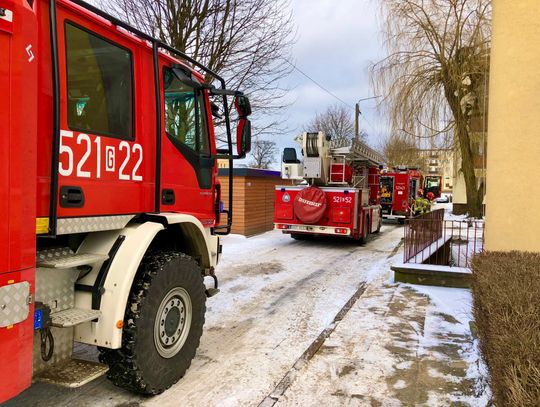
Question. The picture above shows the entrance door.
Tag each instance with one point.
(188, 169)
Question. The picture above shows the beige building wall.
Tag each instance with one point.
(513, 159)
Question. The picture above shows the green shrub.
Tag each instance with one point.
(506, 291)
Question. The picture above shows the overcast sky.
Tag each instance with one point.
(337, 39)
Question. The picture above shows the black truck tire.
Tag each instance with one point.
(300, 236)
(363, 239)
(163, 324)
(379, 224)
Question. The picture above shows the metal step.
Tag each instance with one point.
(73, 316)
(73, 373)
(64, 258)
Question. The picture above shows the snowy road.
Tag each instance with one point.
(277, 296)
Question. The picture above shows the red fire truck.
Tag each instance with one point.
(399, 188)
(110, 196)
(336, 191)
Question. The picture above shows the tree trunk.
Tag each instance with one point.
(474, 193)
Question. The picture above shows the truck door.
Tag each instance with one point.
(387, 193)
(187, 167)
(107, 150)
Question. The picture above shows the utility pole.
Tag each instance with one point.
(357, 116)
(356, 120)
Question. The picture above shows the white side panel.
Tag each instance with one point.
(118, 283)
(292, 171)
(313, 167)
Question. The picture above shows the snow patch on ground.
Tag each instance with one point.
(450, 312)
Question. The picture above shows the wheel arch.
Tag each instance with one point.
(186, 234)
(165, 231)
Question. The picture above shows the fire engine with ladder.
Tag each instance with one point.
(336, 190)
(110, 198)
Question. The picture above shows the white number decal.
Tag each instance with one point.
(342, 199)
(134, 176)
(98, 157)
(121, 175)
(110, 159)
(66, 172)
(68, 160)
(80, 173)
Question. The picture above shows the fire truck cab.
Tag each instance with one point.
(109, 196)
(433, 185)
(399, 188)
(336, 191)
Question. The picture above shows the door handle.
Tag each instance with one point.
(71, 197)
(167, 197)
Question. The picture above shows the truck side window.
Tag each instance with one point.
(185, 117)
(99, 85)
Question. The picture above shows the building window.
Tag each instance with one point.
(185, 119)
(99, 85)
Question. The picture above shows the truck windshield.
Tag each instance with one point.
(185, 119)
(432, 183)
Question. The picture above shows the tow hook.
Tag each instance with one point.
(210, 292)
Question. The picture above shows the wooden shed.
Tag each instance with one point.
(253, 198)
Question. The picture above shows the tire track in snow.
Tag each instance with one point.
(311, 351)
(280, 389)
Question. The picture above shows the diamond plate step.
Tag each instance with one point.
(73, 316)
(73, 373)
(64, 258)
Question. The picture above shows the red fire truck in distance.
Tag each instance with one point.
(398, 191)
(110, 197)
(336, 191)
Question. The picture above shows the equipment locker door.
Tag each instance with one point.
(188, 169)
(18, 109)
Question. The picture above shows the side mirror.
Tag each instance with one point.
(243, 107)
(243, 137)
(243, 131)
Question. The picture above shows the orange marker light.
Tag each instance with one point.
(120, 324)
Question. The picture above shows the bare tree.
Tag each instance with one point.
(263, 153)
(336, 121)
(434, 76)
(401, 150)
(247, 42)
